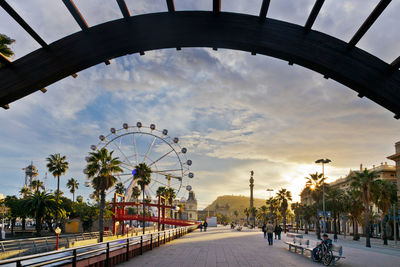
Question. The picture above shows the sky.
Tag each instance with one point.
(234, 112)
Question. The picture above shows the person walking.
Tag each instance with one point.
(270, 230)
(279, 232)
(264, 229)
(276, 231)
(205, 224)
(201, 227)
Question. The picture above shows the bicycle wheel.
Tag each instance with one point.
(317, 255)
(327, 259)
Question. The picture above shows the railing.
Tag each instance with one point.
(42, 244)
(109, 253)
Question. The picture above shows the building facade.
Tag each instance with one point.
(396, 158)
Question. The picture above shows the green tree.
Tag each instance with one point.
(247, 212)
(362, 181)
(135, 195)
(38, 205)
(354, 207)
(334, 201)
(314, 186)
(25, 191)
(143, 178)
(36, 185)
(13, 205)
(308, 213)
(296, 208)
(120, 188)
(5, 42)
(57, 166)
(101, 168)
(171, 196)
(384, 195)
(236, 213)
(263, 213)
(72, 185)
(79, 199)
(284, 197)
(272, 204)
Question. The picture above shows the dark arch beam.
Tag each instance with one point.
(356, 69)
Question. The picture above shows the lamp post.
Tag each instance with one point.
(270, 190)
(57, 231)
(323, 161)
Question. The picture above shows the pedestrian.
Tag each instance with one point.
(264, 229)
(205, 224)
(279, 232)
(201, 227)
(270, 230)
(276, 231)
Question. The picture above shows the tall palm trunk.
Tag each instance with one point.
(23, 223)
(284, 222)
(73, 196)
(144, 215)
(58, 196)
(334, 226)
(101, 217)
(367, 227)
(38, 225)
(384, 235)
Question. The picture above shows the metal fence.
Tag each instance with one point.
(26, 246)
(105, 253)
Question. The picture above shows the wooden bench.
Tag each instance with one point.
(337, 251)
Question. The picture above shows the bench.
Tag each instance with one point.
(298, 243)
(239, 228)
(337, 251)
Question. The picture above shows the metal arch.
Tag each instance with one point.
(354, 68)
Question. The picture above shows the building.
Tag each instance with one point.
(189, 207)
(384, 172)
(396, 158)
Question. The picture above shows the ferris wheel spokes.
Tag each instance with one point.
(148, 151)
(131, 165)
(160, 158)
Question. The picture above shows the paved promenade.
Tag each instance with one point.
(225, 247)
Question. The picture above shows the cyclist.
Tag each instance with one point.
(320, 250)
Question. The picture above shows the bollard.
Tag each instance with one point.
(151, 241)
(74, 258)
(164, 237)
(127, 249)
(141, 245)
(158, 239)
(108, 255)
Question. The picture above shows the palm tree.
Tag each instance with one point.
(384, 195)
(25, 191)
(40, 203)
(101, 168)
(272, 203)
(247, 211)
(36, 185)
(5, 41)
(135, 195)
(143, 177)
(57, 166)
(308, 214)
(72, 184)
(362, 181)
(334, 197)
(296, 208)
(171, 196)
(236, 213)
(314, 185)
(120, 188)
(283, 197)
(354, 208)
(263, 212)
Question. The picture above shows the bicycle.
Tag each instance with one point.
(323, 254)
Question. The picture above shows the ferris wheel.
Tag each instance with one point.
(161, 152)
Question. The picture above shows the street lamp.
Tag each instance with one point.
(270, 190)
(57, 231)
(323, 161)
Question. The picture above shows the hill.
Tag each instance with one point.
(238, 203)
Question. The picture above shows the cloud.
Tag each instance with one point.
(233, 111)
